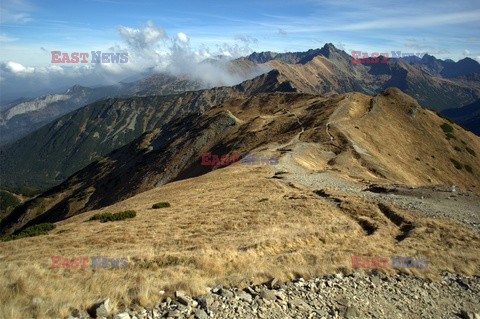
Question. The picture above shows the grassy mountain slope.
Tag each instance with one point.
(387, 138)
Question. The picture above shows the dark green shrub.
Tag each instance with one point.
(263, 200)
(109, 217)
(472, 152)
(456, 163)
(102, 217)
(35, 230)
(7, 200)
(468, 168)
(449, 136)
(458, 149)
(447, 128)
(161, 205)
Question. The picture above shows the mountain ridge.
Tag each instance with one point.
(345, 132)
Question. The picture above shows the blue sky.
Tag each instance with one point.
(31, 29)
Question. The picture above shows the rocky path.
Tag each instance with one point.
(433, 201)
(359, 295)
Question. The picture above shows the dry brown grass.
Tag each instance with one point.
(217, 231)
(397, 139)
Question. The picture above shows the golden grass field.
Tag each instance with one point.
(218, 231)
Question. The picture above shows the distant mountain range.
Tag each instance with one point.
(19, 119)
(85, 135)
(23, 116)
(436, 84)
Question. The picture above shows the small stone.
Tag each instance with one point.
(376, 280)
(123, 315)
(205, 301)
(104, 308)
(200, 314)
(299, 303)
(225, 293)
(216, 288)
(351, 312)
(280, 295)
(184, 300)
(267, 295)
(273, 284)
(242, 295)
(174, 313)
(250, 291)
(469, 315)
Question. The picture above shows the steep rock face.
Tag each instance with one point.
(35, 105)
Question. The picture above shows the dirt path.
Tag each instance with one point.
(434, 201)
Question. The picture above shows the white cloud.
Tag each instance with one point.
(142, 38)
(18, 68)
(466, 52)
(182, 37)
(149, 50)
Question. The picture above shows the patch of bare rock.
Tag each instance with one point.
(359, 295)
